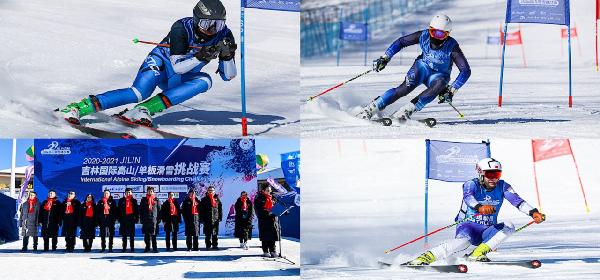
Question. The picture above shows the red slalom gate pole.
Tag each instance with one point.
(449, 226)
(157, 44)
(312, 97)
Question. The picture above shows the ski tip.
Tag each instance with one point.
(135, 40)
(536, 263)
(462, 268)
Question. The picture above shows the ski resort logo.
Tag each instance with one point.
(487, 200)
(550, 3)
(54, 149)
(203, 8)
(550, 144)
(245, 144)
(453, 156)
(353, 30)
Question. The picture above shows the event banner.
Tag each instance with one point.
(351, 31)
(290, 165)
(280, 5)
(168, 165)
(538, 11)
(455, 161)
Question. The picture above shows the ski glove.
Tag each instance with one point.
(485, 209)
(380, 63)
(227, 48)
(537, 216)
(447, 94)
(207, 53)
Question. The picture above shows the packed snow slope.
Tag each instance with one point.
(230, 262)
(371, 199)
(535, 99)
(59, 52)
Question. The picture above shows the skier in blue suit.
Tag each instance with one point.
(175, 69)
(432, 68)
(484, 195)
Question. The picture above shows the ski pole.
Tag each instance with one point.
(388, 251)
(162, 45)
(530, 223)
(461, 115)
(311, 98)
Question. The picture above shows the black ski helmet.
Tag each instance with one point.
(209, 9)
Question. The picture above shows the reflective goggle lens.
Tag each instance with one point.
(492, 174)
(211, 24)
(439, 34)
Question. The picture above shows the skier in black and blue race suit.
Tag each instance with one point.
(176, 69)
(482, 196)
(432, 68)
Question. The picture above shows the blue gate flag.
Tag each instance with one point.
(351, 31)
(280, 5)
(493, 40)
(455, 161)
(538, 11)
(290, 165)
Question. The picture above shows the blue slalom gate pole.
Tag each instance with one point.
(242, 70)
(427, 143)
(502, 66)
(570, 97)
(366, 35)
(339, 38)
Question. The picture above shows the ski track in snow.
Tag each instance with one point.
(60, 53)
(535, 99)
(371, 199)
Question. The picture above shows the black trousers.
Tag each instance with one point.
(87, 243)
(110, 242)
(268, 246)
(168, 239)
(147, 238)
(211, 240)
(131, 240)
(70, 242)
(243, 240)
(189, 240)
(47, 243)
(26, 242)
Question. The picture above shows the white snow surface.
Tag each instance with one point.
(535, 99)
(369, 198)
(59, 52)
(229, 263)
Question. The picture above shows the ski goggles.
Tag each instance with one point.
(211, 26)
(492, 174)
(437, 33)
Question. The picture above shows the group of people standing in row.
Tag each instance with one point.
(87, 215)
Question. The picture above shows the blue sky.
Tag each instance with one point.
(6, 152)
(274, 147)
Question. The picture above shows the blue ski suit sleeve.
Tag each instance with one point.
(516, 200)
(463, 66)
(403, 42)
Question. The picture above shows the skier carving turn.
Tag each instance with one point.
(175, 69)
(432, 68)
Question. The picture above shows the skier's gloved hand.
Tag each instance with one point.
(207, 53)
(227, 48)
(537, 216)
(485, 209)
(380, 63)
(447, 94)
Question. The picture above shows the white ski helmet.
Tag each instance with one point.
(487, 164)
(441, 22)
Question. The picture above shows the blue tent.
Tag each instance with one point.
(8, 224)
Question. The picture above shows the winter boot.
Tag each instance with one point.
(143, 112)
(480, 254)
(405, 111)
(424, 259)
(369, 110)
(74, 111)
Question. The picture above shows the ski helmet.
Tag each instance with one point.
(489, 165)
(209, 9)
(209, 18)
(441, 22)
